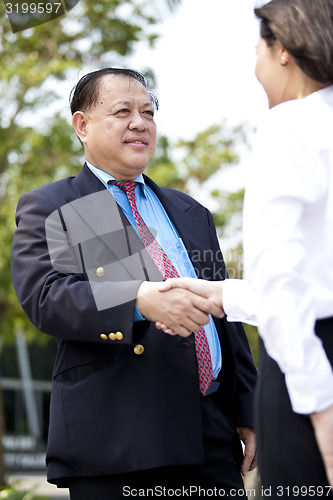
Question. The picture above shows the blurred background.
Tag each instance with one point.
(200, 57)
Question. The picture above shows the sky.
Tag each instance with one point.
(204, 64)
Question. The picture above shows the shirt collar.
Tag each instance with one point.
(105, 177)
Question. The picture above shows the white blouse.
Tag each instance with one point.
(288, 245)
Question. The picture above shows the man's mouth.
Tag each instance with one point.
(136, 141)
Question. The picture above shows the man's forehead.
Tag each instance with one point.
(115, 85)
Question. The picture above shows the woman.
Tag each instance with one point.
(288, 250)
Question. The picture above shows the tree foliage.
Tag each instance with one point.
(200, 158)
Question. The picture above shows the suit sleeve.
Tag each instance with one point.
(52, 285)
(246, 375)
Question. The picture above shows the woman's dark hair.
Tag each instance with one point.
(305, 29)
(86, 91)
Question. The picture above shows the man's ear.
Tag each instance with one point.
(80, 121)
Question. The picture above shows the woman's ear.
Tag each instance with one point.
(285, 57)
(80, 121)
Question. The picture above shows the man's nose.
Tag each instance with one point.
(137, 121)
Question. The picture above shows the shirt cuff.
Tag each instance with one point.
(239, 301)
(138, 316)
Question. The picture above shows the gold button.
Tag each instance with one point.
(138, 349)
(119, 336)
(103, 336)
(100, 271)
(112, 336)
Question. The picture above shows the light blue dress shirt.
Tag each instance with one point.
(155, 216)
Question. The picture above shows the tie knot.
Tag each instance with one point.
(127, 186)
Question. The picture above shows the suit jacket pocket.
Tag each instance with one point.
(79, 373)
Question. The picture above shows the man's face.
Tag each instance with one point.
(119, 132)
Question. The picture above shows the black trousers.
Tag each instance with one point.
(290, 464)
(219, 475)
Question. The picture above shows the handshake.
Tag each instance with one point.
(180, 306)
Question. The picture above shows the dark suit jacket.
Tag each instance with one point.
(76, 266)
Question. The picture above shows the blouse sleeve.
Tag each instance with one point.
(240, 302)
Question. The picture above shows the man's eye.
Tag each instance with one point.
(122, 111)
(149, 112)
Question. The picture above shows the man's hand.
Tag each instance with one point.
(210, 290)
(247, 435)
(323, 426)
(182, 310)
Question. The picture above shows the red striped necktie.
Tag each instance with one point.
(168, 270)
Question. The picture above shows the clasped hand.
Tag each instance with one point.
(180, 306)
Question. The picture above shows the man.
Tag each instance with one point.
(131, 406)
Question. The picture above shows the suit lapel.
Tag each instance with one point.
(86, 183)
(93, 199)
(177, 209)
